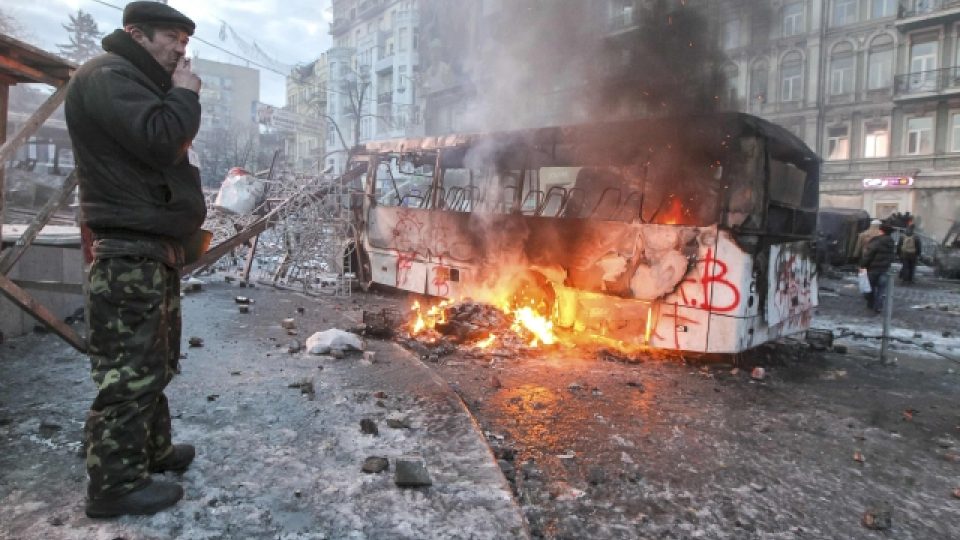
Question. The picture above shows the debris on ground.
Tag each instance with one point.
(858, 457)
(244, 308)
(877, 519)
(242, 300)
(398, 420)
(288, 324)
(195, 341)
(369, 427)
(332, 341)
(294, 347)
(192, 285)
(306, 387)
(375, 464)
(758, 374)
(411, 471)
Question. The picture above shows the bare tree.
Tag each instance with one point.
(10, 26)
(84, 38)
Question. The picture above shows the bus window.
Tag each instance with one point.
(403, 181)
(458, 190)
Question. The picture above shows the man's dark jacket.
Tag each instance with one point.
(131, 132)
(878, 255)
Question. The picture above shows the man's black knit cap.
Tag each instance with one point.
(156, 14)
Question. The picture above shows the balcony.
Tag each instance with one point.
(338, 26)
(922, 84)
(369, 8)
(385, 97)
(918, 13)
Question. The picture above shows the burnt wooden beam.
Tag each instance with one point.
(59, 198)
(38, 311)
(4, 103)
(27, 72)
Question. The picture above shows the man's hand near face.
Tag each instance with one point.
(184, 78)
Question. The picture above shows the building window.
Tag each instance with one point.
(792, 19)
(841, 70)
(731, 34)
(923, 65)
(924, 6)
(732, 75)
(844, 12)
(758, 82)
(876, 139)
(880, 63)
(883, 8)
(791, 77)
(955, 132)
(402, 38)
(838, 143)
(919, 136)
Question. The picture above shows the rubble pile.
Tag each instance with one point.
(480, 330)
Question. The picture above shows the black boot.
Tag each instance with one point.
(176, 461)
(149, 499)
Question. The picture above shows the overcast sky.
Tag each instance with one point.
(291, 31)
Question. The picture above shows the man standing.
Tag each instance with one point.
(864, 238)
(132, 114)
(909, 250)
(877, 258)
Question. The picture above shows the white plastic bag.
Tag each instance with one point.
(240, 192)
(863, 281)
(328, 340)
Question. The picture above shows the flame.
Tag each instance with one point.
(674, 215)
(526, 318)
(485, 343)
(424, 321)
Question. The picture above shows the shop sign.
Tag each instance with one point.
(888, 182)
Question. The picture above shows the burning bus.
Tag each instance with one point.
(691, 234)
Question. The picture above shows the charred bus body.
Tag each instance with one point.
(691, 233)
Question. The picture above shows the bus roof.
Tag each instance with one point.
(714, 127)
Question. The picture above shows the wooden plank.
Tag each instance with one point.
(33, 124)
(4, 102)
(38, 311)
(250, 256)
(12, 255)
(50, 286)
(19, 69)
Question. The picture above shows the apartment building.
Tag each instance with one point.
(872, 85)
(228, 134)
(372, 74)
(304, 146)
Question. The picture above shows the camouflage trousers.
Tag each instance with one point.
(133, 310)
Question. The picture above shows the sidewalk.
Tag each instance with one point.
(275, 460)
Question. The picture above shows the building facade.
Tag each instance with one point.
(229, 133)
(372, 74)
(304, 145)
(872, 85)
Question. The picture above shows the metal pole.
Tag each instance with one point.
(888, 309)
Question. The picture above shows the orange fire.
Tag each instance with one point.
(423, 321)
(486, 343)
(675, 214)
(526, 319)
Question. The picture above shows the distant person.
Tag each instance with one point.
(909, 250)
(132, 114)
(864, 238)
(878, 255)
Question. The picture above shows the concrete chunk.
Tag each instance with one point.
(411, 471)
